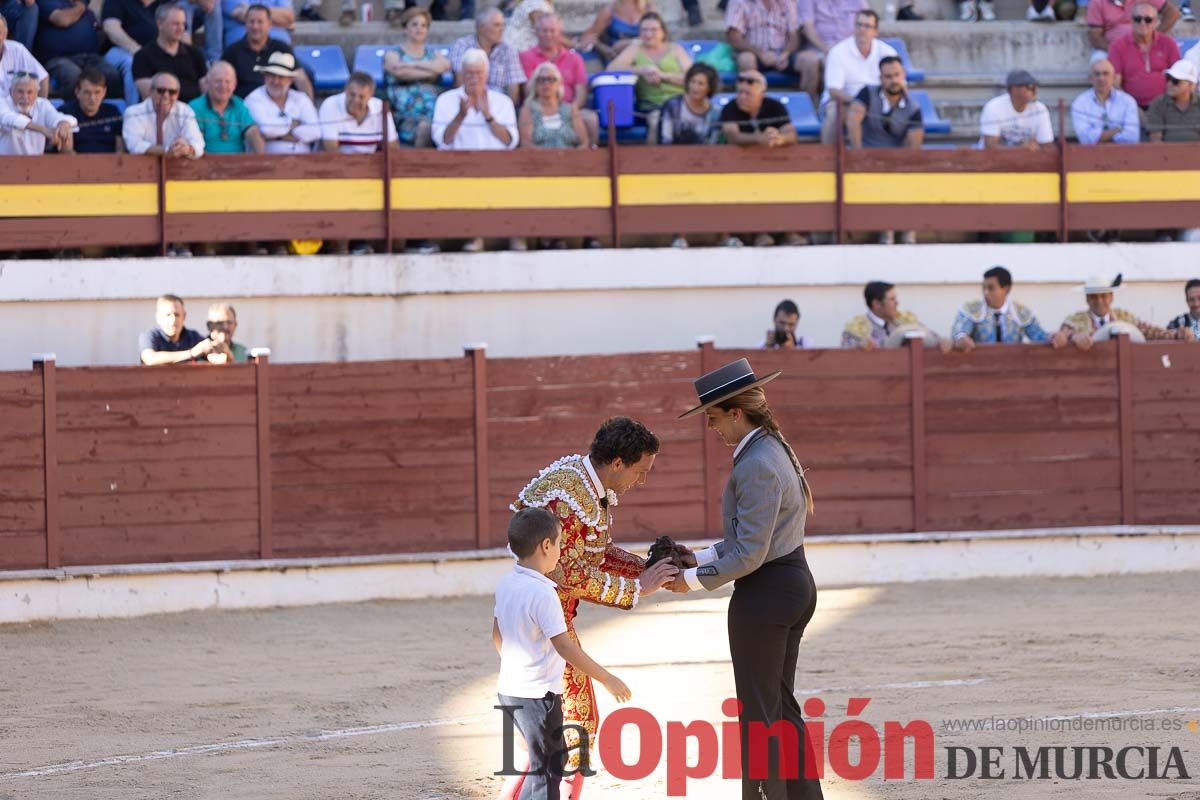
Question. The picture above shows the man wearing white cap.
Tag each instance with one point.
(286, 117)
(1175, 115)
(1081, 327)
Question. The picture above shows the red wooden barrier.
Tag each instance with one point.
(116, 465)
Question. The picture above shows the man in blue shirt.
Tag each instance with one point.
(99, 122)
(171, 343)
(283, 19)
(67, 42)
(1104, 113)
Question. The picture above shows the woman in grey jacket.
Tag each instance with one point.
(764, 506)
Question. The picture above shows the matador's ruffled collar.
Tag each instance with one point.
(566, 480)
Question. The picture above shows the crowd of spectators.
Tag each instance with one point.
(524, 82)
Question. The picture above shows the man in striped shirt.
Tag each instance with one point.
(352, 122)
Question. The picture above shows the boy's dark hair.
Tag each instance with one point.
(93, 75)
(787, 307)
(883, 62)
(876, 290)
(623, 438)
(1192, 284)
(1002, 276)
(528, 528)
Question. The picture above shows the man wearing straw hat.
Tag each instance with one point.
(765, 504)
(1102, 320)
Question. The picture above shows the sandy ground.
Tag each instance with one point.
(279, 693)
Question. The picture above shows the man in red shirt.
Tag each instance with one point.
(1109, 20)
(574, 74)
(1141, 58)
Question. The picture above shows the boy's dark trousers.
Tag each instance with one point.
(540, 721)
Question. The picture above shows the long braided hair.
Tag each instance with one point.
(753, 404)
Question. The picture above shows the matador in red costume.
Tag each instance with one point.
(581, 491)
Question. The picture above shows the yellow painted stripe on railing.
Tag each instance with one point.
(1140, 186)
(481, 194)
(79, 200)
(726, 188)
(951, 188)
(324, 194)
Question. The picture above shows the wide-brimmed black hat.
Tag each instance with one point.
(721, 384)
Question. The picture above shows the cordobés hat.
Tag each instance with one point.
(726, 382)
(280, 63)
(1101, 284)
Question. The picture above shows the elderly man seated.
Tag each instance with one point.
(1174, 116)
(224, 120)
(753, 119)
(286, 117)
(474, 117)
(1190, 318)
(883, 319)
(1141, 57)
(1080, 328)
(1104, 113)
(996, 319)
(29, 122)
(505, 73)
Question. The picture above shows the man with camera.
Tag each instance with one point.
(169, 342)
(783, 335)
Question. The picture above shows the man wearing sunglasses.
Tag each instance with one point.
(162, 124)
(1141, 58)
(1175, 115)
(222, 325)
(1109, 20)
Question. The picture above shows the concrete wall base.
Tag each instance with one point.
(138, 590)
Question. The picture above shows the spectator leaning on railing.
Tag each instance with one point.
(1191, 318)
(15, 59)
(67, 43)
(99, 122)
(286, 117)
(1174, 116)
(1140, 58)
(878, 327)
(997, 318)
(161, 124)
(169, 342)
(885, 116)
(1104, 113)
(29, 122)
(1016, 118)
(169, 53)
(504, 65)
(224, 121)
(850, 65)
(1081, 327)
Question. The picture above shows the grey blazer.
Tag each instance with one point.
(764, 512)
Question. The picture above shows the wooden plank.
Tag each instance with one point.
(1125, 428)
(317, 438)
(1167, 508)
(519, 163)
(801, 367)
(959, 217)
(867, 451)
(308, 166)
(21, 483)
(95, 168)
(155, 444)
(51, 455)
(833, 516)
(363, 501)
(243, 226)
(1179, 472)
(1017, 448)
(698, 159)
(22, 450)
(1181, 358)
(262, 445)
(371, 407)
(1021, 415)
(1022, 386)
(448, 530)
(308, 462)
(105, 412)
(916, 351)
(1026, 360)
(370, 377)
(1146, 156)
(650, 400)
(594, 371)
(1165, 415)
(741, 217)
(163, 508)
(23, 514)
(1134, 216)
(103, 478)
(84, 384)
(22, 549)
(997, 479)
(866, 484)
(502, 222)
(1025, 510)
(1165, 443)
(960, 160)
(41, 233)
(159, 542)
(384, 478)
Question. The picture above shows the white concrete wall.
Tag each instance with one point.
(131, 591)
(588, 301)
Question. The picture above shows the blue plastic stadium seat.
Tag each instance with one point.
(914, 75)
(368, 58)
(635, 134)
(799, 105)
(327, 65)
(698, 47)
(933, 121)
(775, 78)
(448, 75)
(118, 102)
(57, 102)
(1188, 44)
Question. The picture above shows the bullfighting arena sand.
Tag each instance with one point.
(393, 699)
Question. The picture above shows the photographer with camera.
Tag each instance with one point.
(783, 335)
(222, 324)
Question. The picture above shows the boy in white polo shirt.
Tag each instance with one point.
(530, 635)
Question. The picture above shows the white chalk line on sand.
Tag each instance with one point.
(241, 744)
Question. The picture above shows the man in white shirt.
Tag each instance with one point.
(352, 122)
(1104, 113)
(29, 121)
(286, 118)
(161, 124)
(15, 59)
(1017, 118)
(474, 117)
(850, 65)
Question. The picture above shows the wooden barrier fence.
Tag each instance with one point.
(126, 465)
(72, 201)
